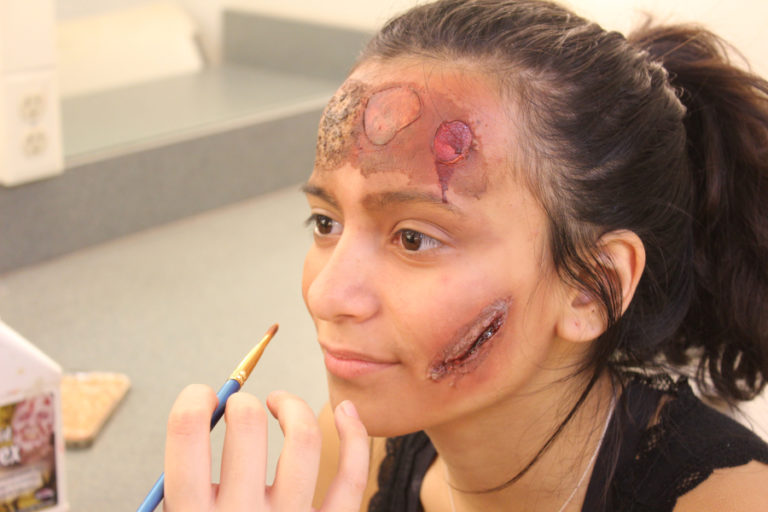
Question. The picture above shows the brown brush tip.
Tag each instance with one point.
(247, 365)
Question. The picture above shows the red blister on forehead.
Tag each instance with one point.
(452, 142)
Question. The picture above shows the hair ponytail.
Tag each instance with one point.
(727, 130)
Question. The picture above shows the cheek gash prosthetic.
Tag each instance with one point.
(471, 344)
(401, 128)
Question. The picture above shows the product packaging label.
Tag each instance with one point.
(28, 455)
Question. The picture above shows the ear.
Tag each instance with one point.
(582, 318)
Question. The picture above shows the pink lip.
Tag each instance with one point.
(350, 365)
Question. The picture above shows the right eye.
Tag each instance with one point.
(324, 225)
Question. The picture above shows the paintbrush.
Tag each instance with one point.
(232, 386)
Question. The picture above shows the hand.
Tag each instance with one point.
(243, 467)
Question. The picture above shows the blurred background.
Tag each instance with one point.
(739, 21)
(150, 219)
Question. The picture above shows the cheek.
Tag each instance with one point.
(448, 323)
(434, 318)
(312, 267)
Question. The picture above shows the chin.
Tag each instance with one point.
(386, 425)
(381, 416)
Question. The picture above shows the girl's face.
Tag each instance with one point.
(429, 279)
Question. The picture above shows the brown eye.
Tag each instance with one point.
(411, 240)
(415, 241)
(324, 225)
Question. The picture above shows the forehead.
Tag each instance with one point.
(440, 125)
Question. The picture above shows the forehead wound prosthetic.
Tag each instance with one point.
(451, 145)
(339, 126)
(400, 129)
(452, 142)
(388, 112)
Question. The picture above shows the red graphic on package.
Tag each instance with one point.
(27, 455)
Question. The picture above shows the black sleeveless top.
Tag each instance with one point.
(651, 468)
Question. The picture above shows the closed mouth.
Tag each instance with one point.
(353, 356)
(350, 365)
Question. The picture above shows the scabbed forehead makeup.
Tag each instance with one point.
(404, 128)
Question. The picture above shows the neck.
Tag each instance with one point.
(487, 450)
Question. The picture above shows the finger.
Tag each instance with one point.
(244, 461)
(188, 450)
(296, 473)
(346, 492)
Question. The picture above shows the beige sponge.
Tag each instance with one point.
(87, 401)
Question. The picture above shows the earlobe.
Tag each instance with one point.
(582, 319)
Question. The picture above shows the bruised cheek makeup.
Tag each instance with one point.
(402, 128)
(471, 344)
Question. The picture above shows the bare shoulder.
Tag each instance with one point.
(743, 488)
(329, 459)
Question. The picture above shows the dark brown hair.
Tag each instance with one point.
(657, 133)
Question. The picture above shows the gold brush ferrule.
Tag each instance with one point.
(246, 366)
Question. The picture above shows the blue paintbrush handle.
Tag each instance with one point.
(155, 495)
(228, 389)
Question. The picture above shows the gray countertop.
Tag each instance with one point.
(153, 114)
(173, 305)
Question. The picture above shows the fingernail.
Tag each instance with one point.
(348, 408)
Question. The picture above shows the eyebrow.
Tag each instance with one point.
(382, 200)
(319, 192)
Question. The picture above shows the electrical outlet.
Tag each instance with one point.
(32, 107)
(30, 133)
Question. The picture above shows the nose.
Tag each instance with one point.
(340, 282)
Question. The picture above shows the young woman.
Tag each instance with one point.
(522, 225)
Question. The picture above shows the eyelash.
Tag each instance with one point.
(402, 237)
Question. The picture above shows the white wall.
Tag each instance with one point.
(368, 14)
(205, 14)
(743, 22)
(136, 44)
